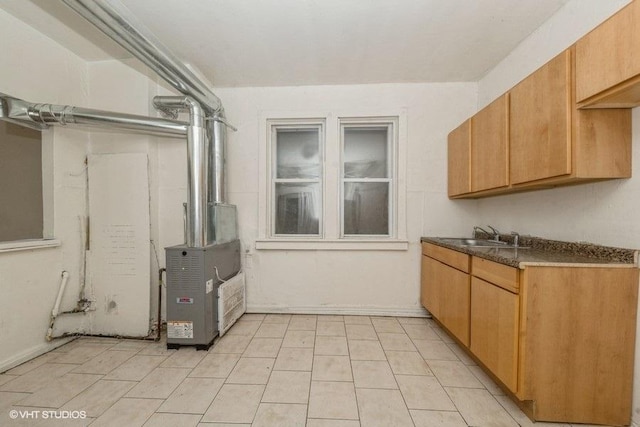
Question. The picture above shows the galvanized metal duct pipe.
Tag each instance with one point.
(116, 21)
(218, 137)
(49, 113)
(39, 116)
(197, 166)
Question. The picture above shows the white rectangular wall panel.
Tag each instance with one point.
(120, 244)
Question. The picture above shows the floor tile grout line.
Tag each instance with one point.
(135, 352)
(265, 385)
(393, 373)
(224, 380)
(353, 377)
(306, 417)
(114, 402)
(443, 387)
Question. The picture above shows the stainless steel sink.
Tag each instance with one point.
(476, 243)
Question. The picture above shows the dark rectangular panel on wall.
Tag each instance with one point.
(20, 183)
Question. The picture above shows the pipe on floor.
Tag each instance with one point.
(56, 305)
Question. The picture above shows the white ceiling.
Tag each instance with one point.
(308, 42)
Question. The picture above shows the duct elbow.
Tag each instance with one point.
(196, 112)
(173, 104)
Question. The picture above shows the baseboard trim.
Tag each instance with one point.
(350, 311)
(32, 353)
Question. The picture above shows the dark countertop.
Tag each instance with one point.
(539, 252)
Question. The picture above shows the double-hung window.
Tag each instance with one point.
(367, 177)
(297, 178)
(333, 182)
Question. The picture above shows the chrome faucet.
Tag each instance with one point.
(494, 233)
(478, 228)
(516, 238)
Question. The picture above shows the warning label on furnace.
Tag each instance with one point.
(180, 330)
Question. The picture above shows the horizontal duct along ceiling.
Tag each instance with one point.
(40, 116)
(117, 22)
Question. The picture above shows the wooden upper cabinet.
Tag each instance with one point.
(459, 146)
(535, 137)
(540, 131)
(554, 143)
(490, 146)
(607, 64)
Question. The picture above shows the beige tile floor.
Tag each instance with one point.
(268, 370)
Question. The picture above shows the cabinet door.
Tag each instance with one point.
(490, 146)
(607, 56)
(459, 146)
(446, 294)
(494, 330)
(455, 300)
(540, 128)
(577, 342)
(429, 283)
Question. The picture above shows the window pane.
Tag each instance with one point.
(366, 208)
(298, 153)
(365, 152)
(298, 207)
(21, 208)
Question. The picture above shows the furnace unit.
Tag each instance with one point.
(193, 278)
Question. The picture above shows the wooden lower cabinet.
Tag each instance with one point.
(445, 293)
(560, 339)
(577, 340)
(494, 330)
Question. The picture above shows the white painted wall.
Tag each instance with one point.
(37, 69)
(563, 29)
(333, 281)
(603, 213)
(126, 87)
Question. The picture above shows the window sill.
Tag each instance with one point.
(26, 245)
(332, 245)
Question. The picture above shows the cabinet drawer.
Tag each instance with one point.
(499, 274)
(455, 259)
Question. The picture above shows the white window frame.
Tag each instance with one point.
(391, 123)
(331, 237)
(273, 125)
(48, 239)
